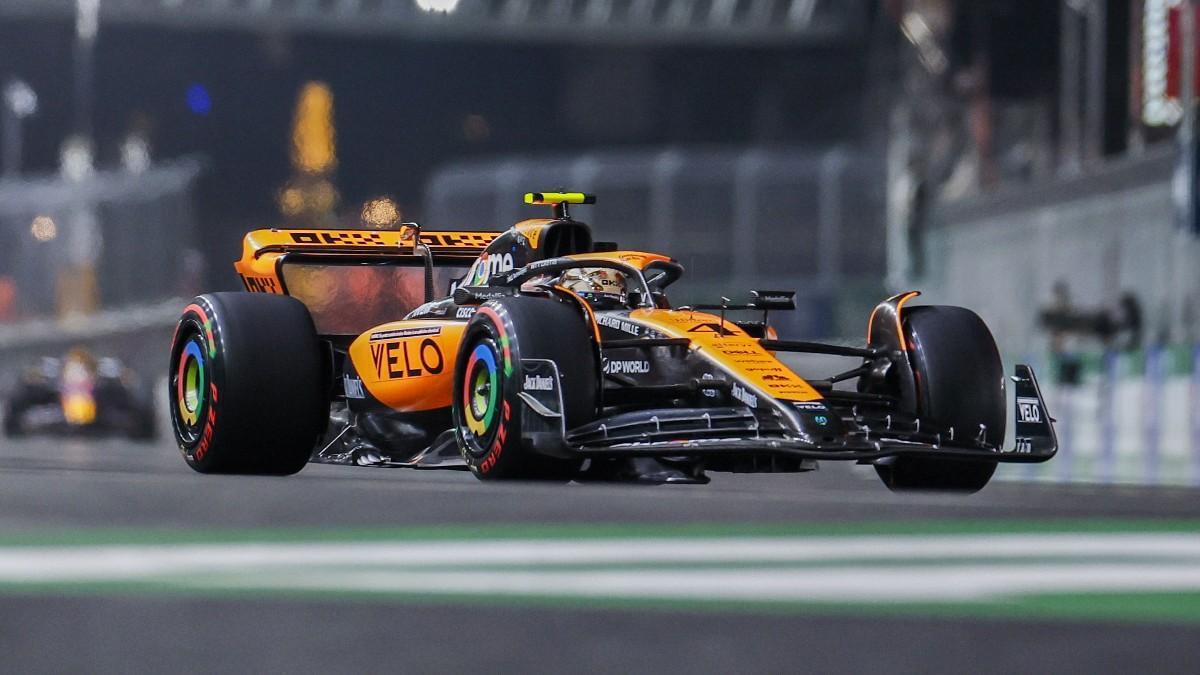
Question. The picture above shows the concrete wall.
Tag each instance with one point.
(1103, 234)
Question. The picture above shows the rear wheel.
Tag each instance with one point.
(960, 384)
(247, 384)
(488, 382)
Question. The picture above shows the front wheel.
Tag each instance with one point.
(959, 383)
(489, 380)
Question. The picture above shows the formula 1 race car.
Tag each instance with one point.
(79, 395)
(556, 357)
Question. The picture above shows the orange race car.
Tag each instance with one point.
(538, 353)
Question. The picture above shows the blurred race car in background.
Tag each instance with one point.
(79, 394)
(538, 353)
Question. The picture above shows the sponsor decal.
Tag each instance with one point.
(711, 393)
(539, 383)
(617, 323)
(711, 327)
(339, 238)
(1024, 446)
(404, 359)
(493, 455)
(353, 387)
(484, 294)
(1028, 410)
(489, 265)
(769, 297)
(821, 419)
(260, 284)
(210, 424)
(808, 405)
(458, 239)
(741, 394)
(740, 352)
(626, 367)
(406, 333)
(775, 378)
(464, 312)
(548, 262)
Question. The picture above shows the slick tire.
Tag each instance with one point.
(960, 383)
(247, 384)
(488, 382)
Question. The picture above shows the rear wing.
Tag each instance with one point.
(350, 278)
(460, 245)
(264, 252)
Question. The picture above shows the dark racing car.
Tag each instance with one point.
(552, 356)
(79, 395)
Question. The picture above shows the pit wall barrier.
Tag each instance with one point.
(1133, 417)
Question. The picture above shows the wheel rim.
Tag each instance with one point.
(190, 386)
(481, 395)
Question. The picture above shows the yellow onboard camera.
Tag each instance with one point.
(559, 200)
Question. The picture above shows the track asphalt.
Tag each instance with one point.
(115, 557)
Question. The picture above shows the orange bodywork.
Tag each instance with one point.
(409, 365)
(730, 347)
(636, 259)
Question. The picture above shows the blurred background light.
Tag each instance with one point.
(291, 201)
(313, 143)
(380, 212)
(476, 128)
(445, 6)
(198, 99)
(20, 98)
(43, 229)
(76, 159)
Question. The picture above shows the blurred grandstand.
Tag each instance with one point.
(984, 151)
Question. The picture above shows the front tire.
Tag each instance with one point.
(247, 384)
(960, 383)
(488, 380)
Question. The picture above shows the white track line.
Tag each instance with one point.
(844, 584)
(82, 563)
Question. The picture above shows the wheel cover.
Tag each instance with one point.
(481, 392)
(189, 386)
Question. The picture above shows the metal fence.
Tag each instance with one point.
(121, 238)
(798, 219)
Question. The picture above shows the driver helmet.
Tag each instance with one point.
(601, 286)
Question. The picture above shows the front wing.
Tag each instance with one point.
(671, 432)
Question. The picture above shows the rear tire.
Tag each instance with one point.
(247, 384)
(488, 381)
(960, 383)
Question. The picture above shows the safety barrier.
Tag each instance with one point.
(1133, 417)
